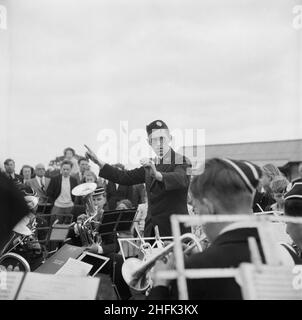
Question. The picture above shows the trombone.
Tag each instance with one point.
(136, 272)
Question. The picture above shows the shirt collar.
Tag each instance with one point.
(238, 225)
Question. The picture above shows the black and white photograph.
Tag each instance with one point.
(150, 153)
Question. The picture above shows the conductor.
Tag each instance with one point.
(167, 179)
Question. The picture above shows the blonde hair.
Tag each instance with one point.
(279, 184)
(271, 171)
(90, 173)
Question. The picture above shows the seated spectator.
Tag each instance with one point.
(40, 183)
(9, 166)
(27, 173)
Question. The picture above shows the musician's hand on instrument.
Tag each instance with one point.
(95, 248)
(165, 264)
(81, 218)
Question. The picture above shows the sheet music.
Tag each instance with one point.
(38, 286)
(75, 267)
(9, 284)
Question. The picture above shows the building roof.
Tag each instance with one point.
(277, 152)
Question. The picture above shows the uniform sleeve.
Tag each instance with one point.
(123, 177)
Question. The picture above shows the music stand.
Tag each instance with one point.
(115, 221)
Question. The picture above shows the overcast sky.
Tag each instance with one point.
(74, 67)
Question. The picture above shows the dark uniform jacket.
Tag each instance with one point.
(116, 194)
(165, 197)
(230, 249)
(55, 185)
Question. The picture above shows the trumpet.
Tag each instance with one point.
(136, 272)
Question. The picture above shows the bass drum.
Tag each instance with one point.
(14, 262)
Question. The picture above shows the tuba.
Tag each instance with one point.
(86, 227)
(136, 272)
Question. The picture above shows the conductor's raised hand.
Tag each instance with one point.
(93, 157)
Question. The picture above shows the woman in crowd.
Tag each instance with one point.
(27, 173)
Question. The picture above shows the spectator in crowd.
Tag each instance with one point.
(90, 176)
(9, 166)
(83, 166)
(124, 204)
(278, 186)
(59, 190)
(69, 154)
(116, 192)
(264, 198)
(40, 183)
(27, 172)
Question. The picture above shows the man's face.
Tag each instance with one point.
(99, 201)
(84, 166)
(66, 169)
(295, 232)
(160, 143)
(40, 171)
(10, 167)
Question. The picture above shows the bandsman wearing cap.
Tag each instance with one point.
(167, 179)
(226, 187)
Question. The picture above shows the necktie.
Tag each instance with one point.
(42, 185)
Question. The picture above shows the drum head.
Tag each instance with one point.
(14, 262)
(84, 189)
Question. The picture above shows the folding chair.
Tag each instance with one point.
(269, 282)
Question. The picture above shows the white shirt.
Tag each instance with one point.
(64, 200)
(39, 181)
